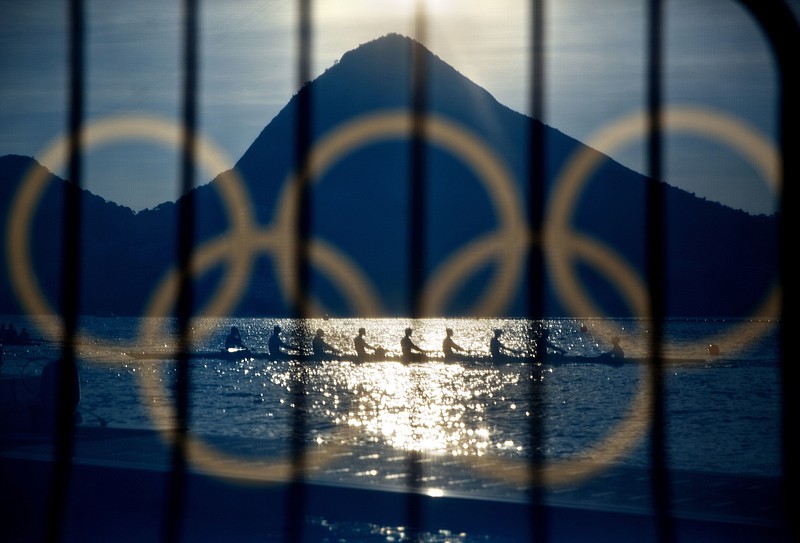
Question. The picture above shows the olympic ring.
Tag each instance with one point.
(28, 195)
(560, 243)
(358, 132)
(559, 239)
(489, 169)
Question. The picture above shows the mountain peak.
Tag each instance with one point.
(361, 207)
(388, 45)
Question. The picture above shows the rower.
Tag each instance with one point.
(321, 348)
(411, 352)
(500, 353)
(234, 340)
(449, 345)
(543, 343)
(278, 349)
(616, 351)
(361, 346)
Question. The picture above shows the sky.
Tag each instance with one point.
(717, 61)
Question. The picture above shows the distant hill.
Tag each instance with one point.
(720, 261)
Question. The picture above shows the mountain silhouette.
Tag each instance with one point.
(720, 262)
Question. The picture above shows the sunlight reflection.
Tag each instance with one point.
(434, 408)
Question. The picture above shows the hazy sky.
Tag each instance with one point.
(717, 60)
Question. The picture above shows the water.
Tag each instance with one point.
(723, 412)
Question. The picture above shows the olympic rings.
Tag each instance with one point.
(239, 244)
(509, 240)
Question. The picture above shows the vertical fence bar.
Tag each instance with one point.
(417, 172)
(536, 196)
(417, 226)
(303, 229)
(656, 260)
(176, 490)
(64, 427)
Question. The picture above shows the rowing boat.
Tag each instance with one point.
(476, 359)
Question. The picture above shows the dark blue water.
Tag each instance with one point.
(723, 412)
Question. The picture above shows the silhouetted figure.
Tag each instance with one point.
(361, 346)
(449, 346)
(278, 348)
(24, 336)
(616, 351)
(543, 343)
(234, 340)
(500, 353)
(411, 352)
(321, 348)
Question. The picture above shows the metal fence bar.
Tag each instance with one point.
(656, 272)
(64, 423)
(417, 225)
(176, 489)
(303, 228)
(537, 147)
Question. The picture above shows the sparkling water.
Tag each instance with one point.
(723, 411)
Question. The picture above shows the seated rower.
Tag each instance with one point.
(501, 354)
(449, 346)
(323, 349)
(411, 352)
(361, 346)
(279, 349)
(543, 343)
(234, 340)
(616, 351)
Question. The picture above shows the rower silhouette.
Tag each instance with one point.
(449, 346)
(501, 354)
(543, 343)
(361, 346)
(278, 348)
(321, 348)
(234, 339)
(411, 351)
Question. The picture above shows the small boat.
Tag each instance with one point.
(479, 360)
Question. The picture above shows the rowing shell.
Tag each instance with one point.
(551, 359)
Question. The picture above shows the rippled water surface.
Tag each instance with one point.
(723, 412)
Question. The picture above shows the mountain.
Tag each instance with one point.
(721, 261)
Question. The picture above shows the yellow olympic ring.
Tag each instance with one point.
(359, 132)
(559, 239)
(93, 134)
(507, 241)
(561, 243)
